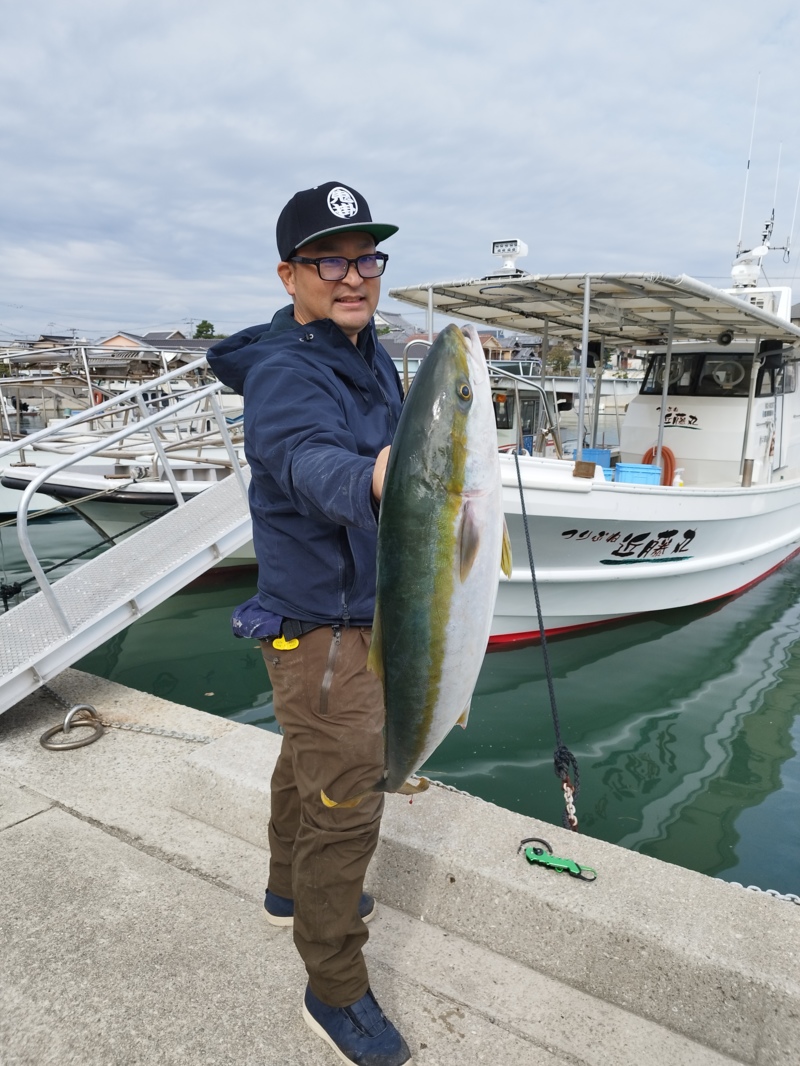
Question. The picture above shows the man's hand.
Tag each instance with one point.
(379, 472)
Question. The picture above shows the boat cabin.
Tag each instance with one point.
(717, 412)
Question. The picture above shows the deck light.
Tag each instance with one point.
(509, 252)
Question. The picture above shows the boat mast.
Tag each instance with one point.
(747, 168)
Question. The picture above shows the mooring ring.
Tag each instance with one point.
(79, 708)
(71, 722)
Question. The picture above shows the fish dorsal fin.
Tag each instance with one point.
(468, 542)
(462, 718)
(505, 555)
(375, 654)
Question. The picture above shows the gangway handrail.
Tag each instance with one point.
(148, 422)
(115, 588)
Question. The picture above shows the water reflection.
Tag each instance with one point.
(685, 724)
(680, 722)
(62, 541)
(184, 651)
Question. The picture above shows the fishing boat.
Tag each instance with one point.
(702, 497)
(121, 487)
(120, 484)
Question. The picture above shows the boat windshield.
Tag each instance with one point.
(504, 411)
(718, 374)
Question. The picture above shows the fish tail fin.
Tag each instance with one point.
(414, 786)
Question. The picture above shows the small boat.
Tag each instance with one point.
(702, 498)
(118, 477)
(98, 381)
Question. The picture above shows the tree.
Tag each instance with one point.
(559, 359)
(205, 329)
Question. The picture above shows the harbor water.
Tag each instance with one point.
(685, 724)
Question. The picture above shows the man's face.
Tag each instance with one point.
(351, 302)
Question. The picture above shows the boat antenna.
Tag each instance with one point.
(787, 249)
(769, 225)
(747, 169)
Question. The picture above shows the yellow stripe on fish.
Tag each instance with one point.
(441, 543)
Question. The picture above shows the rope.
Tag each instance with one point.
(563, 759)
(14, 589)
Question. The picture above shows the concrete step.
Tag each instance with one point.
(148, 920)
(687, 952)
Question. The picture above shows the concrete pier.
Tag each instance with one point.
(132, 875)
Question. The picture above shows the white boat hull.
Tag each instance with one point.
(605, 550)
(601, 550)
(123, 507)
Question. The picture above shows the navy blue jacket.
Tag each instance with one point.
(317, 410)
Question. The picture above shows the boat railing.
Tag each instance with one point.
(150, 423)
(406, 347)
(124, 401)
(547, 422)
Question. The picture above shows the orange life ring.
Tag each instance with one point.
(667, 460)
(97, 397)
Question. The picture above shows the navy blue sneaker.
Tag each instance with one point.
(361, 1033)
(280, 910)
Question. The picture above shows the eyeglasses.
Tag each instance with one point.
(335, 267)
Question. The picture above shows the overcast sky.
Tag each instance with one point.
(148, 146)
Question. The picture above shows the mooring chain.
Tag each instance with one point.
(786, 897)
(563, 759)
(84, 714)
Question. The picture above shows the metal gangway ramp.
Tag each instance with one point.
(64, 621)
(109, 592)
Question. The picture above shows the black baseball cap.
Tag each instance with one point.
(329, 208)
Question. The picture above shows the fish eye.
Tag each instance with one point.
(464, 391)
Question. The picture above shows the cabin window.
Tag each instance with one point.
(724, 375)
(530, 414)
(718, 374)
(503, 409)
(680, 375)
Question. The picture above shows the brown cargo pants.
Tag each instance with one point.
(330, 708)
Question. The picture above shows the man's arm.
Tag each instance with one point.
(379, 472)
(299, 433)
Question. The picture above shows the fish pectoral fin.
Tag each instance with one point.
(375, 654)
(352, 802)
(414, 786)
(505, 554)
(469, 540)
(464, 716)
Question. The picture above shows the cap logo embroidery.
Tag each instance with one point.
(342, 203)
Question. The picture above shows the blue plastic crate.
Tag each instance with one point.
(608, 473)
(640, 473)
(601, 456)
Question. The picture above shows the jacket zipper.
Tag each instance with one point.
(330, 667)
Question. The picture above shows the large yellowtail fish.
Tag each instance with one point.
(441, 543)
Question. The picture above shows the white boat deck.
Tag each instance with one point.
(108, 593)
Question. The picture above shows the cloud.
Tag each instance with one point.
(148, 147)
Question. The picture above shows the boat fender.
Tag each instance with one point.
(97, 397)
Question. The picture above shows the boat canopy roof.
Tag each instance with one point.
(624, 308)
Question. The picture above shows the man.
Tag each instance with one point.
(321, 403)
